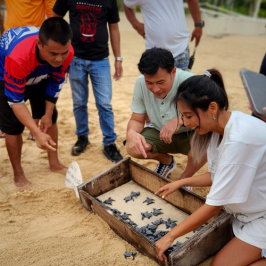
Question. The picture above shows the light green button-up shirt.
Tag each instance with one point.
(159, 111)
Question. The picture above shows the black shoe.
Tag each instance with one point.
(80, 146)
(112, 153)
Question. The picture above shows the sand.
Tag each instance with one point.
(47, 225)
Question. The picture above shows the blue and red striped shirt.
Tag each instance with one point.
(19, 65)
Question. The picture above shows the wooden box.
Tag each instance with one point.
(196, 248)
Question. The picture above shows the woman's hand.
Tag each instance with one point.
(162, 245)
(169, 189)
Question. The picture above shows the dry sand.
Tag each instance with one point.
(47, 225)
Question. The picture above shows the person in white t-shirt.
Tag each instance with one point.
(165, 26)
(236, 170)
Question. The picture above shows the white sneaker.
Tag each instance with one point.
(164, 169)
(188, 188)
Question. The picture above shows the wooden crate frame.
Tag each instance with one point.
(203, 244)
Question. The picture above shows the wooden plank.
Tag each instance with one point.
(109, 179)
(183, 199)
(210, 240)
(203, 244)
(127, 232)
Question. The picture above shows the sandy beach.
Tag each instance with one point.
(47, 225)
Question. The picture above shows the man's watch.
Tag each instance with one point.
(119, 58)
(200, 24)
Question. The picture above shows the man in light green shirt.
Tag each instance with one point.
(154, 93)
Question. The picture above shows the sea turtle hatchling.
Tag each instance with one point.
(128, 198)
(116, 212)
(129, 254)
(152, 227)
(156, 212)
(149, 201)
(125, 215)
(109, 201)
(198, 229)
(146, 215)
(159, 234)
(172, 248)
(158, 222)
(170, 223)
(134, 194)
(132, 223)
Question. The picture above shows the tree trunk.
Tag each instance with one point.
(257, 8)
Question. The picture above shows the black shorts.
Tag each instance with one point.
(36, 95)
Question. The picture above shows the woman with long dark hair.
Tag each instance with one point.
(236, 150)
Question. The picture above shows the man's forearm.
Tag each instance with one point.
(193, 6)
(115, 39)
(131, 16)
(23, 115)
(135, 126)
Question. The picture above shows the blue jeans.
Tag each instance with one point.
(182, 60)
(99, 72)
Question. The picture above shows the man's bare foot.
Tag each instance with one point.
(58, 168)
(31, 137)
(21, 181)
(2, 134)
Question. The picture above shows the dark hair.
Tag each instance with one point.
(154, 58)
(198, 92)
(56, 29)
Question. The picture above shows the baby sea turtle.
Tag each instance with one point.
(172, 248)
(132, 223)
(152, 227)
(149, 201)
(98, 200)
(170, 223)
(134, 194)
(177, 244)
(125, 215)
(156, 212)
(148, 232)
(109, 201)
(151, 238)
(159, 234)
(116, 212)
(158, 222)
(198, 229)
(129, 254)
(128, 198)
(146, 215)
(143, 229)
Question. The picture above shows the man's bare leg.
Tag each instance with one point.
(14, 148)
(54, 164)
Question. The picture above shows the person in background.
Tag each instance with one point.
(33, 64)
(165, 26)
(27, 13)
(236, 148)
(153, 93)
(89, 21)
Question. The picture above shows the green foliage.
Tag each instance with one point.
(120, 5)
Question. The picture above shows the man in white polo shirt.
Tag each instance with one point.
(154, 94)
(165, 26)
